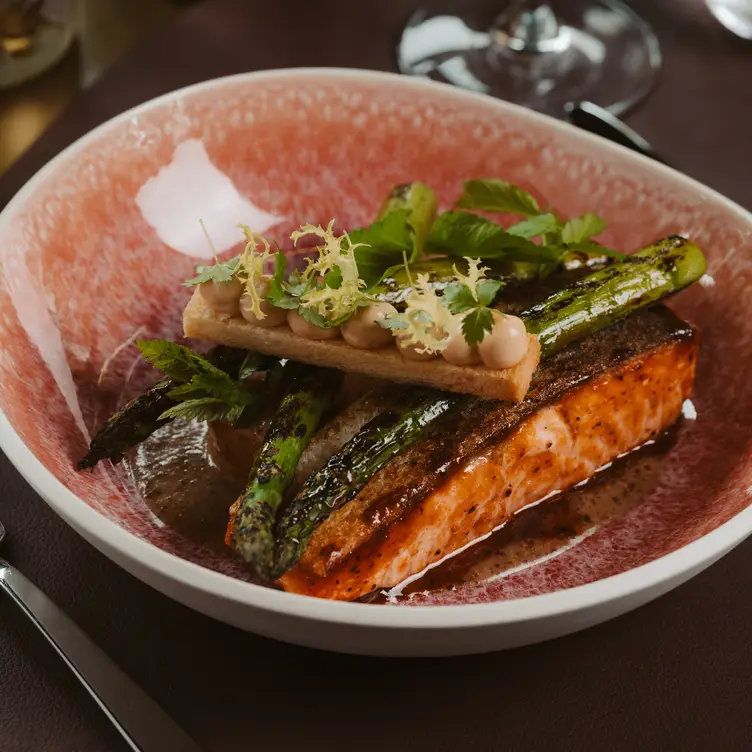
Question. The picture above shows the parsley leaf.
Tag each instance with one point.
(186, 392)
(582, 228)
(178, 362)
(495, 195)
(458, 298)
(284, 295)
(312, 316)
(280, 267)
(296, 283)
(283, 300)
(401, 230)
(390, 234)
(221, 271)
(577, 234)
(538, 225)
(487, 290)
(392, 323)
(476, 324)
(386, 240)
(333, 278)
(227, 389)
(205, 408)
(461, 233)
(203, 387)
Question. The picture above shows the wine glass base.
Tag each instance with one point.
(599, 51)
(735, 15)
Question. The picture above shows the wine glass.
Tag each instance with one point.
(538, 54)
(735, 15)
(34, 35)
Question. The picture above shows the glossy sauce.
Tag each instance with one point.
(551, 527)
(178, 476)
(188, 482)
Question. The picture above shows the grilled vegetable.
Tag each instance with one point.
(590, 304)
(609, 295)
(141, 417)
(479, 466)
(396, 286)
(308, 392)
(420, 200)
(346, 472)
(130, 426)
(398, 232)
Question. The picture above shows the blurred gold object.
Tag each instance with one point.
(34, 35)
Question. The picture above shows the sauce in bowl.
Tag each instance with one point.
(189, 483)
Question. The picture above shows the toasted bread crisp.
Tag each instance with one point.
(511, 384)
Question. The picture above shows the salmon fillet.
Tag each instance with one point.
(485, 461)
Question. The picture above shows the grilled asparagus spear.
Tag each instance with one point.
(396, 287)
(346, 472)
(141, 417)
(130, 426)
(383, 249)
(607, 296)
(421, 201)
(592, 303)
(308, 392)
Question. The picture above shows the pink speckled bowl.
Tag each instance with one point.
(85, 266)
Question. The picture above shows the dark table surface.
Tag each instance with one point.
(674, 675)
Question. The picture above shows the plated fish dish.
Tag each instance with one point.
(358, 413)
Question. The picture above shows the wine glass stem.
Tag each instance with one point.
(529, 26)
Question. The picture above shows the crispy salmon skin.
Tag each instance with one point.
(485, 461)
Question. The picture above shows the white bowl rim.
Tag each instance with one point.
(80, 515)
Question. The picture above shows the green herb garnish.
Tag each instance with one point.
(472, 294)
(219, 271)
(205, 392)
(476, 325)
(493, 195)
(204, 408)
(382, 245)
(462, 233)
(429, 319)
(533, 226)
(582, 228)
(401, 228)
(284, 294)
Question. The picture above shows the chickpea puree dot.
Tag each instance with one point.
(363, 329)
(458, 352)
(410, 352)
(306, 329)
(222, 297)
(506, 344)
(273, 316)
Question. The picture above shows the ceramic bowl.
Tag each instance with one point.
(95, 246)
